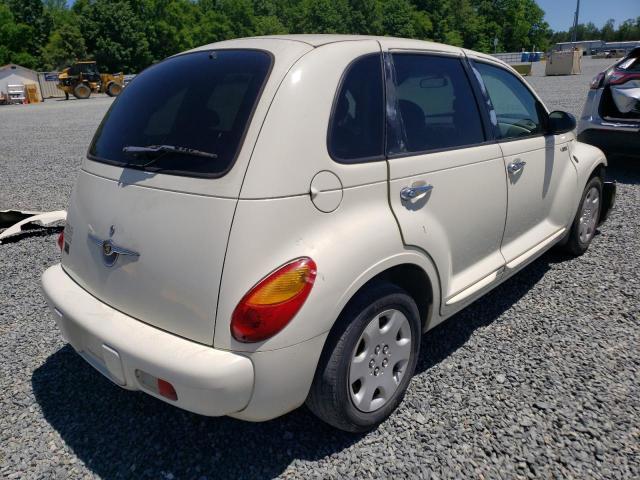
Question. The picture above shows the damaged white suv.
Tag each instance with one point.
(265, 222)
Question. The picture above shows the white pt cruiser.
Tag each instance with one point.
(265, 222)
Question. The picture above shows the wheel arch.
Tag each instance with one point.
(410, 271)
(598, 170)
(589, 161)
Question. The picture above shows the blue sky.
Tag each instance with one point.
(559, 13)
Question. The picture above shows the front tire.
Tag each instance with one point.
(369, 359)
(81, 91)
(587, 218)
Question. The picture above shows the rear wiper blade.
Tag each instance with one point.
(162, 149)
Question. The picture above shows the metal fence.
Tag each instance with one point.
(48, 82)
(519, 57)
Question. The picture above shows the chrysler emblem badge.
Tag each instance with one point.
(106, 248)
(110, 251)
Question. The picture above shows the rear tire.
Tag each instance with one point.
(114, 89)
(587, 218)
(81, 91)
(359, 382)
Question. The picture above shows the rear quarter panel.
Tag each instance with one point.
(350, 246)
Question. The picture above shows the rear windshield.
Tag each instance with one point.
(201, 101)
(630, 64)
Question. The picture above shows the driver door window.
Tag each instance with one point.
(517, 111)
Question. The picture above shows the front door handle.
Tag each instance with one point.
(412, 193)
(515, 167)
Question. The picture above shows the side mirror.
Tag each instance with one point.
(561, 122)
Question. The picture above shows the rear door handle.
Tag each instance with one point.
(414, 192)
(515, 167)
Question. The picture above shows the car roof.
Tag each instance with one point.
(318, 40)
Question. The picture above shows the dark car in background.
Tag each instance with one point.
(610, 119)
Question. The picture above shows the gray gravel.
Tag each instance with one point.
(41, 147)
(539, 379)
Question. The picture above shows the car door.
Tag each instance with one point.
(447, 181)
(542, 181)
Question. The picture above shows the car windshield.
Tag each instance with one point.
(200, 101)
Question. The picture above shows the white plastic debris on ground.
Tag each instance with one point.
(43, 219)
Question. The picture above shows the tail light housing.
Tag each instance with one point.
(60, 240)
(271, 304)
(596, 83)
(617, 77)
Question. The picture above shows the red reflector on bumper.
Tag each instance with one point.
(166, 390)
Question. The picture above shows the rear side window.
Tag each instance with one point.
(436, 103)
(516, 109)
(356, 131)
(201, 101)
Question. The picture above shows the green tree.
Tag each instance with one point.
(398, 18)
(16, 40)
(366, 17)
(33, 14)
(269, 25)
(114, 35)
(324, 16)
(168, 25)
(131, 34)
(66, 45)
(629, 30)
(608, 31)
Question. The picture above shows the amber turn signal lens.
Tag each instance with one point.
(269, 306)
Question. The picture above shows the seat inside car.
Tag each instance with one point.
(415, 125)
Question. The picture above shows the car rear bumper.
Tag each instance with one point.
(623, 140)
(613, 141)
(207, 381)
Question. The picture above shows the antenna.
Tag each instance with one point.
(574, 34)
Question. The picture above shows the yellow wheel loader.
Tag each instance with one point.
(83, 78)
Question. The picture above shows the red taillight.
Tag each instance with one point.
(596, 83)
(166, 390)
(269, 306)
(61, 240)
(618, 78)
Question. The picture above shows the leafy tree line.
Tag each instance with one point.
(626, 31)
(128, 35)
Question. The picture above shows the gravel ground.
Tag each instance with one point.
(539, 379)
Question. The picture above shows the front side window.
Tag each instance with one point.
(517, 111)
(184, 116)
(436, 103)
(356, 130)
